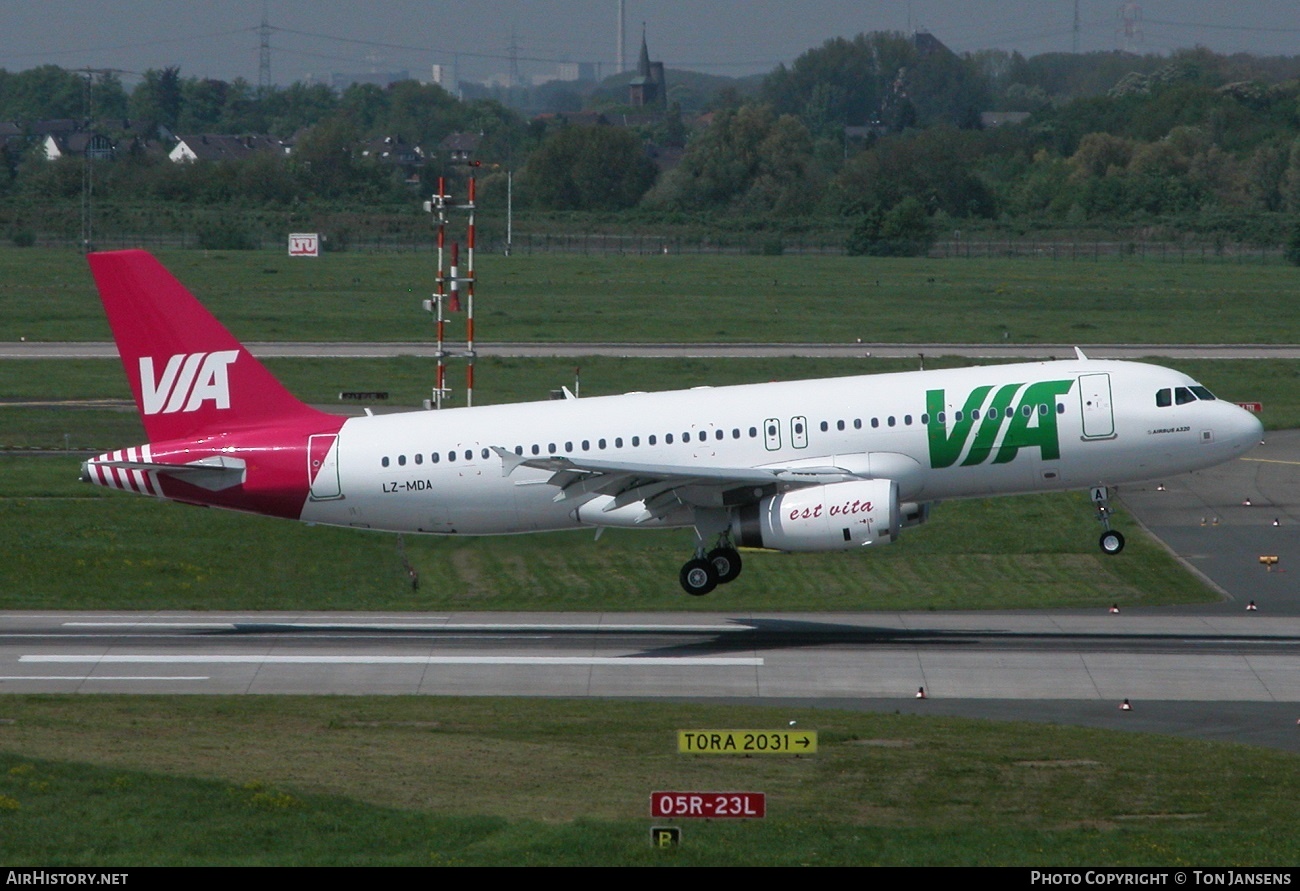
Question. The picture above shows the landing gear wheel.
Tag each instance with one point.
(726, 562)
(699, 577)
(1111, 542)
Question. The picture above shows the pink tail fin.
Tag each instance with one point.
(189, 375)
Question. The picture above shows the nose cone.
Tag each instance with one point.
(1242, 430)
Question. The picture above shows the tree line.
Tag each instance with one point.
(881, 134)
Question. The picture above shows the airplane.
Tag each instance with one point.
(814, 465)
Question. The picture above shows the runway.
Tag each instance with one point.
(1075, 668)
(952, 655)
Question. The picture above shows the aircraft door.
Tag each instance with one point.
(1097, 410)
(323, 466)
(772, 434)
(799, 432)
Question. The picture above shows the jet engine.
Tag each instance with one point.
(835, 517)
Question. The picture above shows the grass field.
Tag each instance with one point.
(434, 781)
(49, 295)
(87, 548)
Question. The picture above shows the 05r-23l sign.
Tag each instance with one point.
(709, 805)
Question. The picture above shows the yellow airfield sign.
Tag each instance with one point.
(747, 742)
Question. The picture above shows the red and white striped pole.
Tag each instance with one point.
(441, 377)
(454, 305)
(469, 291)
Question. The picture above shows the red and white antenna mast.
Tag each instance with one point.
(447, 292)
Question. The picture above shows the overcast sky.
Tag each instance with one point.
(219, 38)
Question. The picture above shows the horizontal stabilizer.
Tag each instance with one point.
(214, 474)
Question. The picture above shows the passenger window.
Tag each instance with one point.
(907, 419)
(419, 458)
(451, 456)
(891, 421)
(636, 441)
(668, 439)
(717, 434)
(537, 450)
(975, 414)
(383, 462)
(469, 455)
(433, 459)
(652, 439)
(486, 454)
(825, 427)
(401, 460)
(618, 442)
(875, 422)
(839, 425)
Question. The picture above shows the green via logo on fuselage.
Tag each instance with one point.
(1023, 430)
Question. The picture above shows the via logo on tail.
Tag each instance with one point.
(186, 382)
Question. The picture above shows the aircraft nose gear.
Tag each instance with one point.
(1111, 542)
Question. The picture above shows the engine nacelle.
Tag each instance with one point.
(837, 517)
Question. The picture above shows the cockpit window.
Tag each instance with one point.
(1202, 393)
(1182, 396)
(1164, 398)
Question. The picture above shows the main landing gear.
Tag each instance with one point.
(702, 574)
(1111, 542)
(710, 568)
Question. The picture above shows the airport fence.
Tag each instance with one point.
(641, 244)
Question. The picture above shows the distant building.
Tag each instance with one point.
(579, 71)
(396, 152)
(648, 87)
(341, 81)
(460, 148)
(927, 44)
(68, 138)
(393, 150)
(991, 119)
(209, 147)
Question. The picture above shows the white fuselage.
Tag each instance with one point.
(970, 432)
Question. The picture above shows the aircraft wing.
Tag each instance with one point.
(664, 487)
